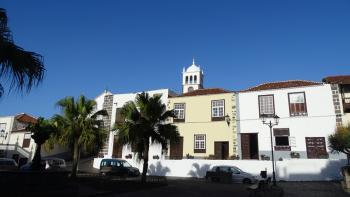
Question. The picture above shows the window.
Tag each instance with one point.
(297, 104)
(26, 140)
(266, 105)
(186, 81)
(217, 110)
(199, 143)
(118, 117)
(195, 79)
(2, 129)
(281, 139)
(190, 79)
(179, 110)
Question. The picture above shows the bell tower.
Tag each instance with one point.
(192, 78)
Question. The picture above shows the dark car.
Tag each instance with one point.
(118, 167)
(8, 164)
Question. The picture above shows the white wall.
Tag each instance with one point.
(320, 121)
(8, 120)
(288, 170)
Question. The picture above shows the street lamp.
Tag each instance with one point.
(270, 124)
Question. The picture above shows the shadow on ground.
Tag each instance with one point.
(59, 184)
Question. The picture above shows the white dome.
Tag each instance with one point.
(193, 68)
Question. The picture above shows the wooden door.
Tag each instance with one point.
(217, 150)
(245, 145)
(176, 149)
(225, 151)
(117, 150)
(221, 150)
(316, 147)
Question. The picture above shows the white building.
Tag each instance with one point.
(307, 118)
(112, 103)
(15, 140)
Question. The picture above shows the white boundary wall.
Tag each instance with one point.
(288, 170)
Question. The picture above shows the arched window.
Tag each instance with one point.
(195, 79)
(190, 89)
(191, 79)
(186, 81)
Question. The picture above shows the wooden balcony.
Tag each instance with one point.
(346, 105)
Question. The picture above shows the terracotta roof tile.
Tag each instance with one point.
(205, 92)
(340, 79)
(26, 118)
(282, 84)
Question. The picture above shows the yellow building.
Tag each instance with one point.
(206, 120)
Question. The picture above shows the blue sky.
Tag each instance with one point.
(129, 46)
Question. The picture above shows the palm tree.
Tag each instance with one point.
(24, 69)
(340, 140)
(41, 131)
(79, 127)
(145, 123)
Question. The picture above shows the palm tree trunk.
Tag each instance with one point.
(37, 157)
(75, 159)
(145, 163)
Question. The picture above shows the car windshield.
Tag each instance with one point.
(125, 164)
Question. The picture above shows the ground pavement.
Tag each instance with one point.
(201, 188)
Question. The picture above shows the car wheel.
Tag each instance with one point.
(247, 181)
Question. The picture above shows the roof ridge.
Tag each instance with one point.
(276, 82)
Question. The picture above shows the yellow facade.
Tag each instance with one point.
(198, 121)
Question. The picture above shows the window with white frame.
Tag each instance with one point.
(266, 105)
(179, 110)
(297, 104)
(217, 108)
(199, 142)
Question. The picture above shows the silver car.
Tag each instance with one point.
(238, 175)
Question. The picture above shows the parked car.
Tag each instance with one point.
(54, 162)
(48, 163)
(237, 175)
(8, 164)
(118, 167)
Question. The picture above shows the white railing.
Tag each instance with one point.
(15, 147)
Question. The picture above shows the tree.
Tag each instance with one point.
(41, 131)
(145, 123)
(24, 69)
(340, 140)
(79, 127)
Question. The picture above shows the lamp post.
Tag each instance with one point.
(270, 124)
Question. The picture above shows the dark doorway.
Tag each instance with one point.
(221, 150)
(117, 150)
(249, 145)
(176, 149)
